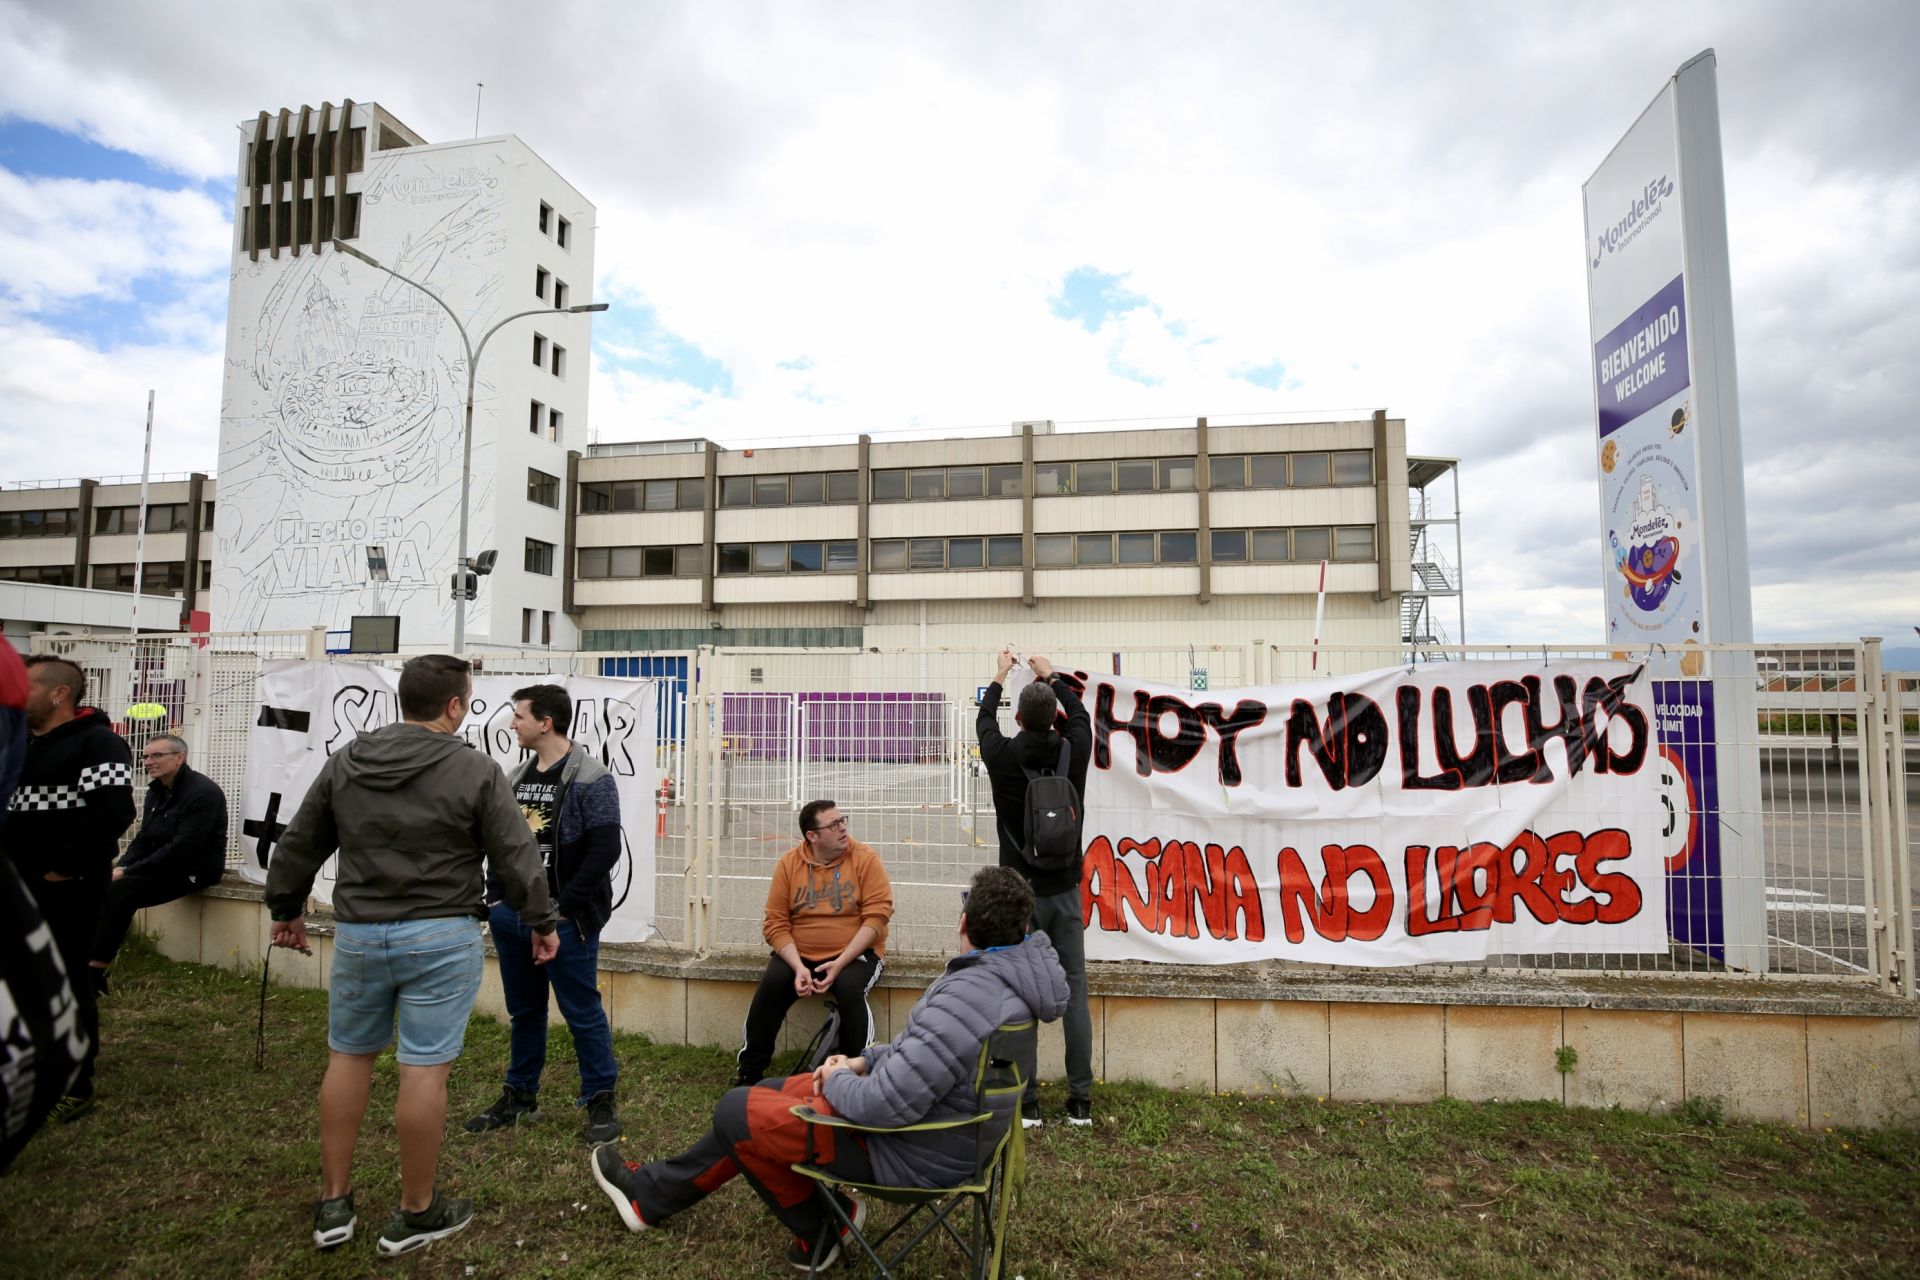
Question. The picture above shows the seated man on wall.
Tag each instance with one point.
(826, 920)
(927, 1073)
(181, 848)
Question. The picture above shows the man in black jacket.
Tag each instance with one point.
(1057, 909)
(181, 848)
(63, 828)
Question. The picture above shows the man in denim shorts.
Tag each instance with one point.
(414, 813)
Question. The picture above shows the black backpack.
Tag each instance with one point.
(1053, 816)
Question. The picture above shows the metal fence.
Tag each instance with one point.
(1823, 862)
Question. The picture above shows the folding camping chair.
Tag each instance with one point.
(999, 1163)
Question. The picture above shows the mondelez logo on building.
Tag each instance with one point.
(1646, 206)
(430, 186)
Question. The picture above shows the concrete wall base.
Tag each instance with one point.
(1779, 1052)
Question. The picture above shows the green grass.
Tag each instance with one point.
(193, 1165)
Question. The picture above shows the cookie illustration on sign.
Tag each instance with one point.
(1651, 558)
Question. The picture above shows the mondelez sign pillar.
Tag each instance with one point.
(1673, 525)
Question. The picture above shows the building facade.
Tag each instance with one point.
(341, 428)
(1034, 539)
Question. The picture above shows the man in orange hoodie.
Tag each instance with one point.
(826, 920)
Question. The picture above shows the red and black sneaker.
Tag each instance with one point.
(800, 1252)
(616, 1178)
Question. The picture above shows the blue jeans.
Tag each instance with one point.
(425, 971)
(574, 976)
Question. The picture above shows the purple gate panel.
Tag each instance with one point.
(879, 728)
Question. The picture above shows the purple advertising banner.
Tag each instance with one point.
(1643, 361)
(1689, 784)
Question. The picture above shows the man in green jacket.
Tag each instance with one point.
(414, 813)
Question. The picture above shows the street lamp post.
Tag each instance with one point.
(466, 433)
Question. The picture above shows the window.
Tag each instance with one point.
(592, 562)
(1093, 548)
(526, 626)
(1136, 548)
(626, 562)
(206, 515)
(1052, 477)
(1176, 473)
(843, 557)
(1229, 546)
(536, 415)
(161, 578)
(686, 561)
(1003, 482)
(596, 498)
(546, 218)
(805, 490)
(540, 350)
(543, 488)
(1311, 470)
(1312, 545)
(966, 553)
(162, 517)
(656, 562)
(659, 495)
(926, 553)
(769, 491)
(733, 558)
(1093, 477)
(1270, 546)
(769, 557)
(805, 557)
(1353, 543)
(692, 492)
(206, 574)
(57, 523)
(53, 575)
(539, 557)
(1227, 473)
(1051, 550)
(546, 626)
(922, 485)
(561, 295)
(889, 486)
(843, 486)
(736, 491)
(540, 279)
(563, 233)
(1135, 475)
(554, 421)
(559, 361)
(889, 554)
(966, 482)
(1178, 548)
(1269, 470)
(1353, 466)
(1004, 553)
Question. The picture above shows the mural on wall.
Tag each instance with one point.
(340, 427)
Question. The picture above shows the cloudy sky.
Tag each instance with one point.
(817, 220)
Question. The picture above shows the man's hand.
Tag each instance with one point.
(838, 1062)
(823, 975)
(1041, 668)
(546, 946)
(1005, 661)
(291, 934)
(54, 877)
(802, 981)
(119, 872)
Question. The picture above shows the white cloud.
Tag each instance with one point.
(66, 239)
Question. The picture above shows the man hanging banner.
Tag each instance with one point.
(310, 710)
(1446, 813)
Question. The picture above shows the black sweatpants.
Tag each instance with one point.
(775, 996)
(72, 910)
(127, 895)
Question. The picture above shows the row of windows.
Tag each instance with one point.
(555, 226)
(526, 626)
(549, 355)
(59, 522)
(167, 577)
(1301, 545)
(162, 517)
(561, 294)
(931, 484)
(543, 421)
(52, 575)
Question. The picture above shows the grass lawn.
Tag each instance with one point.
(194, 1165)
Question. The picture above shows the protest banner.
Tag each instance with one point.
(310, 710)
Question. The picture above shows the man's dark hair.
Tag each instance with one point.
(1037, 707)
(999, 907)
(430, 681)
(66, 673)
(550, 702)
(811, 810)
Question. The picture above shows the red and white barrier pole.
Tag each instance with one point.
(1319, 612)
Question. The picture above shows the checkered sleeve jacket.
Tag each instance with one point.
(74, 800)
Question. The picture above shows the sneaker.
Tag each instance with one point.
(333, 1222)
(71, 1108)
(99, 977)
(616, 1178)
(407, 1231)
(800, 1252)
(742, 1080)
(511, 1107)
(603, 1119)
(1030, 1117)
(1079, 1111)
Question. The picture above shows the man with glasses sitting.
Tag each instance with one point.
(826, 921)
(181, 848)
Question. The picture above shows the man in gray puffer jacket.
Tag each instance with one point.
(925, 1073)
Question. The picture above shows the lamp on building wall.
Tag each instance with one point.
(466, 571)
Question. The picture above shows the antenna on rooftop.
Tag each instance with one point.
(479, 87)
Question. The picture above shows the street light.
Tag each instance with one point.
(466, 434)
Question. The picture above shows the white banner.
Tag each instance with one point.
(1444, 813)
(309, 710)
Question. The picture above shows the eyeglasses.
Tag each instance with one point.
(838, 824)
(157, 755)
